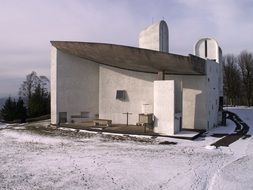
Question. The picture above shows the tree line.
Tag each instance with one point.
(238, 79)
(33, 101)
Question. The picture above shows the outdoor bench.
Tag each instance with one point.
(106, 122)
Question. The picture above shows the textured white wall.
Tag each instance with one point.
(213, 53)
(164, 107)
(155, 37)
(194, 114)
(213, 82)
(139, 89)
(54, 118)
(194, 104)
(77, 86)
(214, 76)
(75, 96)
(212, 49)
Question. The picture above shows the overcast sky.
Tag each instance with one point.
(27, 26)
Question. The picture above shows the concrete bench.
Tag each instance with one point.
(106, 122)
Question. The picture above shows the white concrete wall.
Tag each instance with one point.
(213, 82)
(54, 117)
(200, 98)
(212, 49)
(75, 88)
(139, 89)
(214, 52)
(214, 70)
(155, 37)
(164, 107)
(75, 85)
(194, 104)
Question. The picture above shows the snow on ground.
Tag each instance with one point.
(2, 125)
(238, 172)
(30, 160)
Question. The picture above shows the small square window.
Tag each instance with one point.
(120, 94)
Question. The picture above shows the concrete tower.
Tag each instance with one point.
(155, 37)
(208, 48)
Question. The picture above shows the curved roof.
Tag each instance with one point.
(135, 59)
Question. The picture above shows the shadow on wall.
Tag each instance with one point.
(155, 122)
(194, 105)
(199, 116)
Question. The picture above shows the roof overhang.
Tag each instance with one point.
(135, 59)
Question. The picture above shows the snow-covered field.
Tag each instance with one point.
(29, 160)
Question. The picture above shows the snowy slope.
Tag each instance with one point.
(33, 161)
(238, 173)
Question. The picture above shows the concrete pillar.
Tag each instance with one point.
(164, 107)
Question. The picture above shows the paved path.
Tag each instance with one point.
(241, 131)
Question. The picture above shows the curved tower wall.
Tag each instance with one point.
(155, 37)
(208, 48)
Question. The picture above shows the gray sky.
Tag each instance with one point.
(27, 26)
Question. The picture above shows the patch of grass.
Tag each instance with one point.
(39, 129)
(50, 131)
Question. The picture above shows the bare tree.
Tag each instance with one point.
(232, 79)
(35, 93)
(28, 86)
(245, 60)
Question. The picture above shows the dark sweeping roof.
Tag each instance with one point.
(135, 59)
